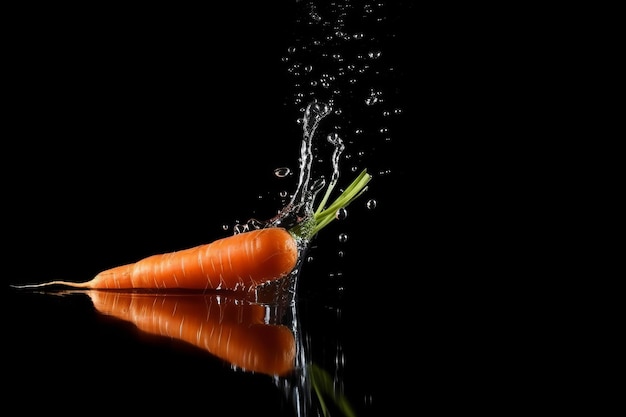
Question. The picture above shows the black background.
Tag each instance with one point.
(141, 131)
(146, 130)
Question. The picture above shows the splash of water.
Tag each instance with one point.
(302, 205)
(300, 211)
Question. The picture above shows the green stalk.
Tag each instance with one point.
(323, 385)
(325, 215)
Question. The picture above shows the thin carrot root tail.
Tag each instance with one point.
(50, 283)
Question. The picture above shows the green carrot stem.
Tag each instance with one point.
(325, 215)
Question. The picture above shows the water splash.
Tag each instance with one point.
(301, 206)
(300, 210)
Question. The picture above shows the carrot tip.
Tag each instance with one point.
(51, 283)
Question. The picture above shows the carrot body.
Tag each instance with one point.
(236, 262)
(234, 332)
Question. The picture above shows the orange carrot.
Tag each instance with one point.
(238, 262)
(233, 331)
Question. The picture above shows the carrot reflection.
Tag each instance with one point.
(233, 330)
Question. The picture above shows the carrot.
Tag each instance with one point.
(233, 331)
(238, 262)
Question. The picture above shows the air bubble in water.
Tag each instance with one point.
(341, 214)
(371, 204)
(343, 237)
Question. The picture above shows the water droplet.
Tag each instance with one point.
(340, 359)
(333, 137)
(370, 101)
(283, 194)
(341, 214)
(343, 237)
(240, 228)
(374, 54)
(341, 254)
(225, 227)
(371, 204)
(282, 172)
